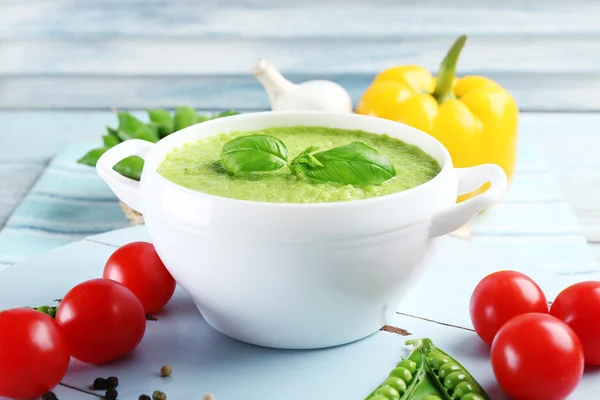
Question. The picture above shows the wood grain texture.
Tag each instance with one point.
(292, 19)
(88, 55)
(568, 141)
(533, 92)
(98, 54)
(232, 56)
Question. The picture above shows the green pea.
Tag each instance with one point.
(432, 397)
(402, 373)
(462, 389)
(388, 392)
(454, 379)
(378, 397)
(446, 369)
(438, 360)
(409, 365)
(396, 383)
(471, 396)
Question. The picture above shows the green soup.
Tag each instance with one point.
(193, 166)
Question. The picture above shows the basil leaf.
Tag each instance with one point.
(163, 120)
(92, 156)
(132, 128)
(110, 140)
(354, 164)
(306, 158)
(184, 117)
(311, 161)
(254, 153)
(131, 167)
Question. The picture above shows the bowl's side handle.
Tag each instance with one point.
(470, 179)
(126, 189)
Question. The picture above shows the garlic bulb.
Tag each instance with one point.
(317, 95)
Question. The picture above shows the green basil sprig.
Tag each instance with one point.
(355, 164)
(162, 123)
(255, 153)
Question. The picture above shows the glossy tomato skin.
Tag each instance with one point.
(501, 296)
(138, 266)
(579, 307)
(102, 321)
(537, 356)
(34, 355)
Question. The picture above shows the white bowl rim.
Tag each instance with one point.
(445, 167)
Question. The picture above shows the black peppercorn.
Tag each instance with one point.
(111, 394)
(112, 382)
(49, 396)
(100, 384)
(144, 397)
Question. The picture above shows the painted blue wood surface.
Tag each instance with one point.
(99, 54)
(132, 54)
(205, 361)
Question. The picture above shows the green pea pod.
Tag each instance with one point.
(132, 128)
(110, 140)
(131, 167)
(450, 381)
(92, 156)
(163, 120)
(226, 113)
(411, 369)
(184, 117)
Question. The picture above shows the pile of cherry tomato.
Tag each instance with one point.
(537, 352)
(97, 321)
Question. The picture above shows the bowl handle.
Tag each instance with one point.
(470, 179)
(126, 189)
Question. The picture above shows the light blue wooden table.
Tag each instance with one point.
(64, 64)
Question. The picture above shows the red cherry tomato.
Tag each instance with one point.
(501, 296)
(579, 307)
(34, 355)
(102, 321)
(537, 356)
(137, 266)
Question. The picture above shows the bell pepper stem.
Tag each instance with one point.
(447, 71)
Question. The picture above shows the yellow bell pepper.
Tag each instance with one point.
(474, 117)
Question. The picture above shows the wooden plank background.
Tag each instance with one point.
(75, 54)
(65, 63)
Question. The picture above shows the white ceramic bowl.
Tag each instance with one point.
(298, 275)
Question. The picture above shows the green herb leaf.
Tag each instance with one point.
(306, 158)
(132, 128)
(254, 153)
(92, 156)
(110, 140)
(354, 164)
(184, 117)
(131, 167)
(163, 120)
